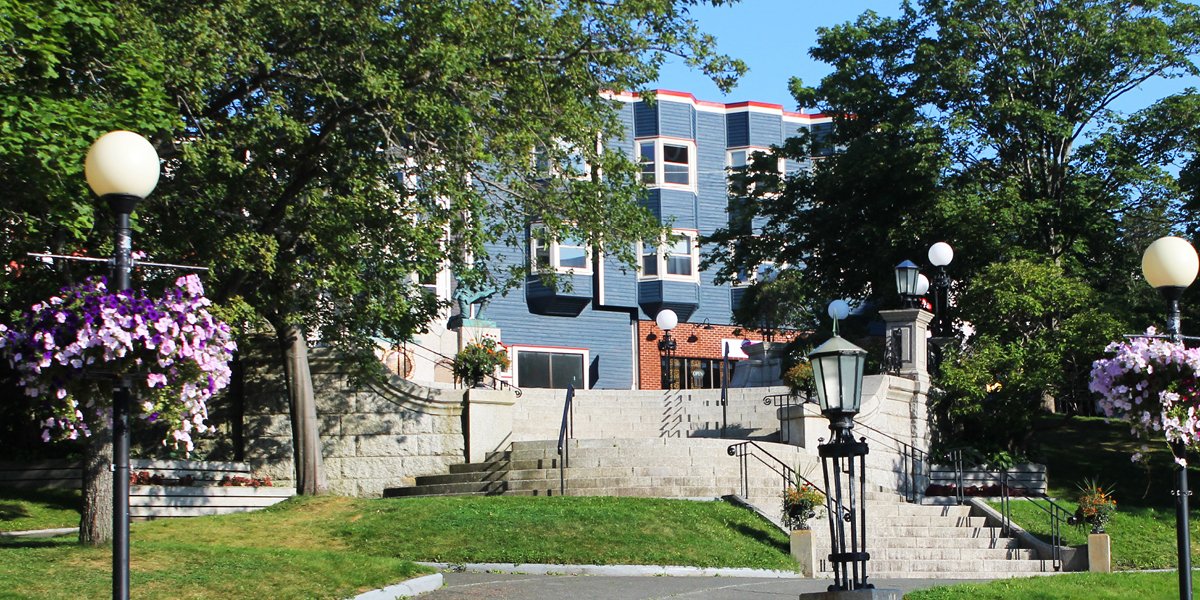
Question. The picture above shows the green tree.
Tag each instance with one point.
(321, 155)
(69, 71)
(1038, 354)
(991, 125)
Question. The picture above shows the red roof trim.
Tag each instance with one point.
(686, 96)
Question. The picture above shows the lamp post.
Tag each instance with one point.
(667, 320)
(837, 374)
(940, 255)
(1170, 265)
(907, 274)
(121, 168)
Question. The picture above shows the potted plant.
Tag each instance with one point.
(1096, 506)
(479, 358)
(800, 504)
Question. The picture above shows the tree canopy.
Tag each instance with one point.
(1002, 128)
(321, 157)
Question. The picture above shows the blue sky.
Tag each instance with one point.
(773, 37)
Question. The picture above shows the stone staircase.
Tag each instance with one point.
(650, 467)
(934, 541)
(905, 540)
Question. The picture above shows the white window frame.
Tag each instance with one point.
(515, 356)
(691, 234)
(553, 169)
(555, 251)
(781, 165)
(659, 179)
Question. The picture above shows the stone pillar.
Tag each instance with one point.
(804, 550)
(913, 327)
(489, 422)
(802, 425)
(1099, 553)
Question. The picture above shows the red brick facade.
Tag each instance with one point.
(692, 340)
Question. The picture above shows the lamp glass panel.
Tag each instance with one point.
(850, 366)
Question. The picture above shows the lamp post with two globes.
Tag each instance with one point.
(121, 168)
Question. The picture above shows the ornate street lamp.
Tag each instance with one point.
(837, 374)
(1170, 265)
(121, 168)
(666, 321)
(940, 255)
(907, 273)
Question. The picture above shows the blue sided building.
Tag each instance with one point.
(601, 333)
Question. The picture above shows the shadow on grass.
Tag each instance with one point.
(1078, 448)
(56, 542)
(48, 497)
(761, 536)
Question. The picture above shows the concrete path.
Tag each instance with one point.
(498, 586)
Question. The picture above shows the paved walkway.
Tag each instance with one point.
(497, 586)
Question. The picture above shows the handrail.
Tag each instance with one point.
(744, 450)
(915, 461)
(1058, 515)
(497, 383)
(780, 468)
(565, 432)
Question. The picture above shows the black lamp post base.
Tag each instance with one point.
(865, 594)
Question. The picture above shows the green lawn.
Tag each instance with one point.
(335, 547)
(1143, 529)
(38, 509)
(1076, 586)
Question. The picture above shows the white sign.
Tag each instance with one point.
(732, 348)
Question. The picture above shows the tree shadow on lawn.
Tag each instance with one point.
(763, 536)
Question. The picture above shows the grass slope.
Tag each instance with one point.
(336, 547)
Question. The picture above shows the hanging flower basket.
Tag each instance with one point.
(70, 350)
(1152, 383)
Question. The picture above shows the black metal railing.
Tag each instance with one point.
(566, 432)
(744, 451)
(1027, 486)
(914, 461)
(448, 362)
(1055, 512)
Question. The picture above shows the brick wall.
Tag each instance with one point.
(692, 340)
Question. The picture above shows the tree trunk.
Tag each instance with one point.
(96, 522)
(306, 438)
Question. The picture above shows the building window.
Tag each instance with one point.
(738, 159)
(674, 260)
(694, 373)
(550, 368)
(567, 254)
(666, 162)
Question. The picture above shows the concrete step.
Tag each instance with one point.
(948, 554)
(481, 477)
(886, 531)
(483, 467)
(998, 567)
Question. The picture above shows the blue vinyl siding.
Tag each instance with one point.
(603, 321)
(676, 120)
(645, 120)
(620, 284)
(765, 130)
(737, 130)
(711, 178)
